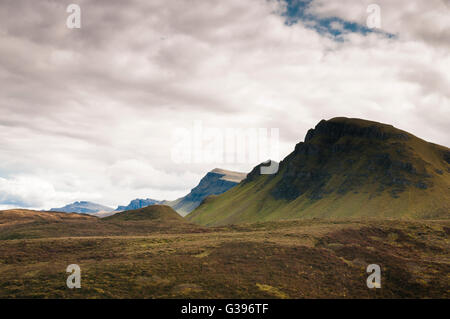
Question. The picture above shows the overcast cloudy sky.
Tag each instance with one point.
(88, 114)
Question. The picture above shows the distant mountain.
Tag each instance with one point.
(83, 207)
(215, 182)
(344, 168)
(138, 203)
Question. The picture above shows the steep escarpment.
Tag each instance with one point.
(360, 153)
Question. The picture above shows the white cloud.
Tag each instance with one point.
(33, 192)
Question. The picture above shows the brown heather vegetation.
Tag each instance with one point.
(137, 257)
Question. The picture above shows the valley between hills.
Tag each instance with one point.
(353, 193)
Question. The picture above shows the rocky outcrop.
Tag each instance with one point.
(336, 128)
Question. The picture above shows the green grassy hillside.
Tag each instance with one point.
(344, 168)
(161, 213)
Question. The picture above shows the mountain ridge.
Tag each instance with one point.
(344, 167)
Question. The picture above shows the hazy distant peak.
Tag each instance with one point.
(138, 203)
(83, 207)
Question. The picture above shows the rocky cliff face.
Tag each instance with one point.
(339, 127)
(359, 153)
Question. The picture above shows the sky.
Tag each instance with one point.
(90, 113)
